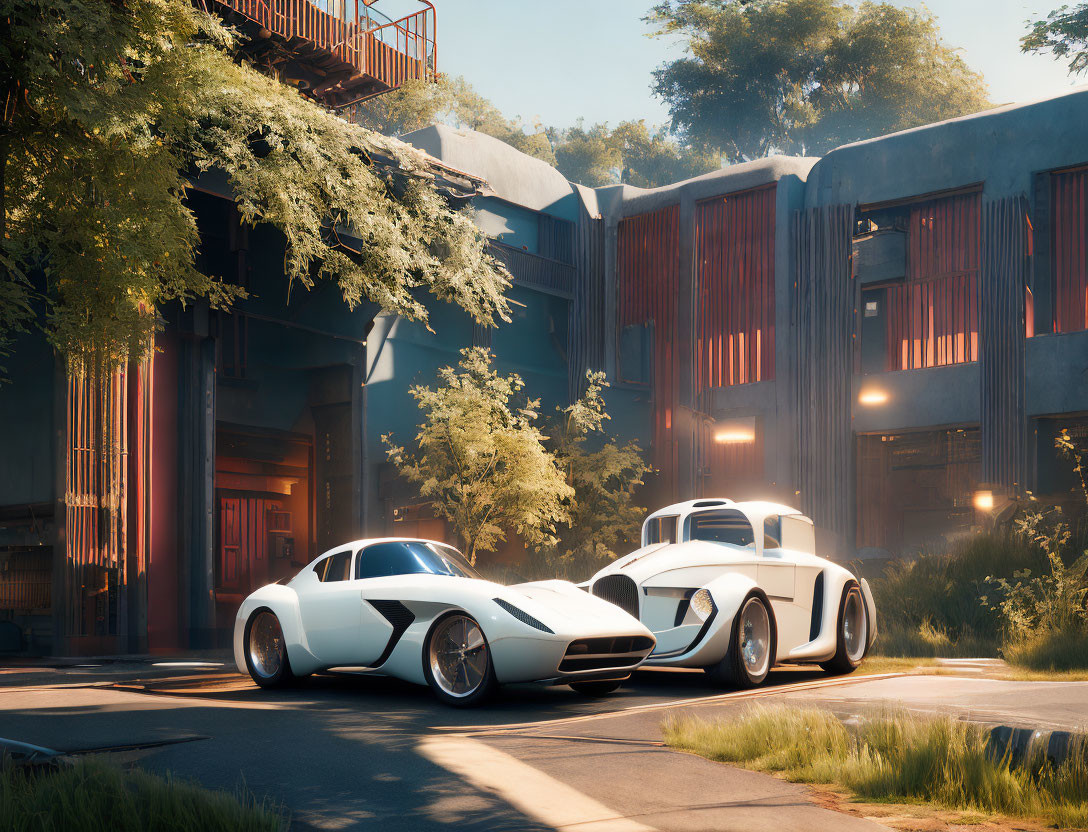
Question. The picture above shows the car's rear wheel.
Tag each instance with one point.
(852, 629)
(266, 651)
(751, 647)
(457, 662)
(597, 689)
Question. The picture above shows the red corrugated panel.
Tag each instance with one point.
(735, 308)
(647, 284)
(1069, 223)
(933, 315)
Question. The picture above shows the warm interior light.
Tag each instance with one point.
(984, 500)
(727, 436)
(873, 397)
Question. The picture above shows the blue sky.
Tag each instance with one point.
(561, 59)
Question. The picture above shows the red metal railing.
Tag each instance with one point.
(391, 51)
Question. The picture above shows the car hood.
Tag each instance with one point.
(560, 603)
(645, 563)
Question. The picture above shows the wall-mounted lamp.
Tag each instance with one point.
(984, 500)
(735, 431)
(872, 397)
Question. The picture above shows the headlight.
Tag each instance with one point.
(702, 604)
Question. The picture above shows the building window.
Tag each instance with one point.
(1069, 249)
(932, 317)
(735, 303)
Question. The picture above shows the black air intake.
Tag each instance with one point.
(619, 590)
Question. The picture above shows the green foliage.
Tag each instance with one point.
(111, 106)
(93, 796)
(804, 76)
(454, 101)
(929, 605)
(1041, 611)
(605, 521)
(892, 757)
(480, 457)
(631, 154)
(1064, 34)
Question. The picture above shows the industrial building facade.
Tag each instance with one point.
(883, 337)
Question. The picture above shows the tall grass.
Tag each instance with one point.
(894, 757)
(930, 605)
(94, 796)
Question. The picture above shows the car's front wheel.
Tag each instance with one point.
(597, 689)
(457, 662)
(266, 651)
(853, 632)
(751, 647)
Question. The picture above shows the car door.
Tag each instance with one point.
(776, 570)
(332, 612)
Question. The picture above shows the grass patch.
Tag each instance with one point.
(895, 664)
(94, 796)
(1050, 651)
(894, 758)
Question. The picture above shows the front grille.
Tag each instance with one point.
(605, 652)
(619, 590)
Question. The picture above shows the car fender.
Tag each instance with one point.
(823, 647)
(728, 591)
(283, 602)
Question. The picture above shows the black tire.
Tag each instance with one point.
(281, 676)
(598, 689)
(842, 662)
(488, 684)
(732, 671)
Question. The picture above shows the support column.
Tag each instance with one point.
(196, 479)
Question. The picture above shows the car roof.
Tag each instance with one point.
(752, 508)
(356, 545)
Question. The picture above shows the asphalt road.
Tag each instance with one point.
(347, 752)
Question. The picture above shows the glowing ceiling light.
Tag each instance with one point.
(872, 397)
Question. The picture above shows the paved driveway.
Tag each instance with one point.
(346, 752)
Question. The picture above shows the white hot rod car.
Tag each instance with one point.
(416, 610)
(736, 588)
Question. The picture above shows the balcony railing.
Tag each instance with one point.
(362, 52)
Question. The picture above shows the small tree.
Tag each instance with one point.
(481, 459)
(604, 517)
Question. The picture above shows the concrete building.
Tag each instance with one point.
(888, 337)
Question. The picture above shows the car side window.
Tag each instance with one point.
(661, 530)
(335, 567)
(772, 532)
(722, 526)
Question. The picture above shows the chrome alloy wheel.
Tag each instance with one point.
(458, 656)
(855, 626)
(754, 638)
(267, 651)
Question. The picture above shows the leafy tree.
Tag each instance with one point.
(110, 106)
(450, 101)
(481, 459)
(803, 76)
(604, 518)
(631, 154)
(1064, 34)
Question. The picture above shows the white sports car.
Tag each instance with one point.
(416, 610)
(736, 588)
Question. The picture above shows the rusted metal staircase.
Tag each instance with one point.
(339, 52)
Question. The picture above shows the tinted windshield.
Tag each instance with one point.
(411, 557)
(721, 526)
